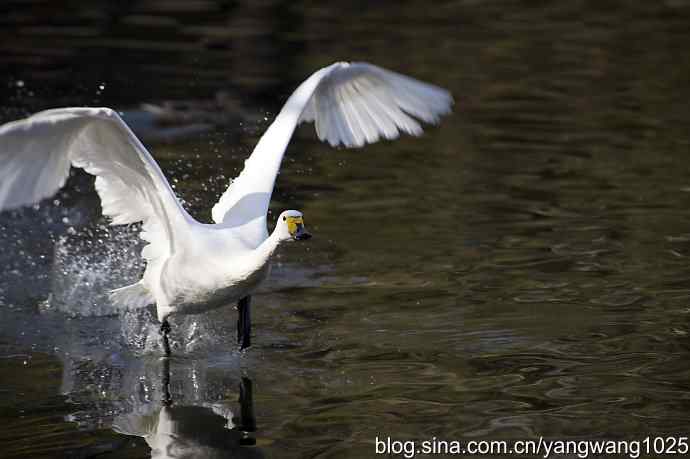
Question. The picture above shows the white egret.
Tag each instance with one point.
(191, 266)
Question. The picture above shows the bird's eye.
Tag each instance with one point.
(284, 218)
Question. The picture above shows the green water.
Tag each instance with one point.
(519, 271)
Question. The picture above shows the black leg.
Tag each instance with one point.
(166, 398)
(246, 420)
(165, 329)
(244, 322)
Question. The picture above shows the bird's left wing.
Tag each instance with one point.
(351, 104)
(36, 154)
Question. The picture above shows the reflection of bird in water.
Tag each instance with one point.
(173, 431)
(193, 267)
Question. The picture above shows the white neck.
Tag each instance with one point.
(268, 246)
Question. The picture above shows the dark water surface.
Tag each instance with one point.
(520, 271)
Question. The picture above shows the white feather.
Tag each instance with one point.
(36, 154)
(350, 104)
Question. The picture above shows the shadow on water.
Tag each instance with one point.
(519, 271)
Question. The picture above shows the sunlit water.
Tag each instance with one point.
(522, 270)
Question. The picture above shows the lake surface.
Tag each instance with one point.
(519, 271)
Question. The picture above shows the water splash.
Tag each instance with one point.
(88, 264)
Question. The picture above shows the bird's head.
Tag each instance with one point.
(290, 226)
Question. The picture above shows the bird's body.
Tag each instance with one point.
(191, 266)
(212, 281)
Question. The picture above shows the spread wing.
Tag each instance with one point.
(36, 154)
(350, 104)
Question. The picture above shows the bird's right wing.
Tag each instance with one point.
(36, 154)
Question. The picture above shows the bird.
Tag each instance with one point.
(192, 266)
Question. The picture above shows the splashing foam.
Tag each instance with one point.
(88, 264)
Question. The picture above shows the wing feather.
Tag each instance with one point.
(350, 104)
(36, 154)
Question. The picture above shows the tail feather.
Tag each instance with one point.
(132, 296)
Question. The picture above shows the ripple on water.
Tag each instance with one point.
(521, 270)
